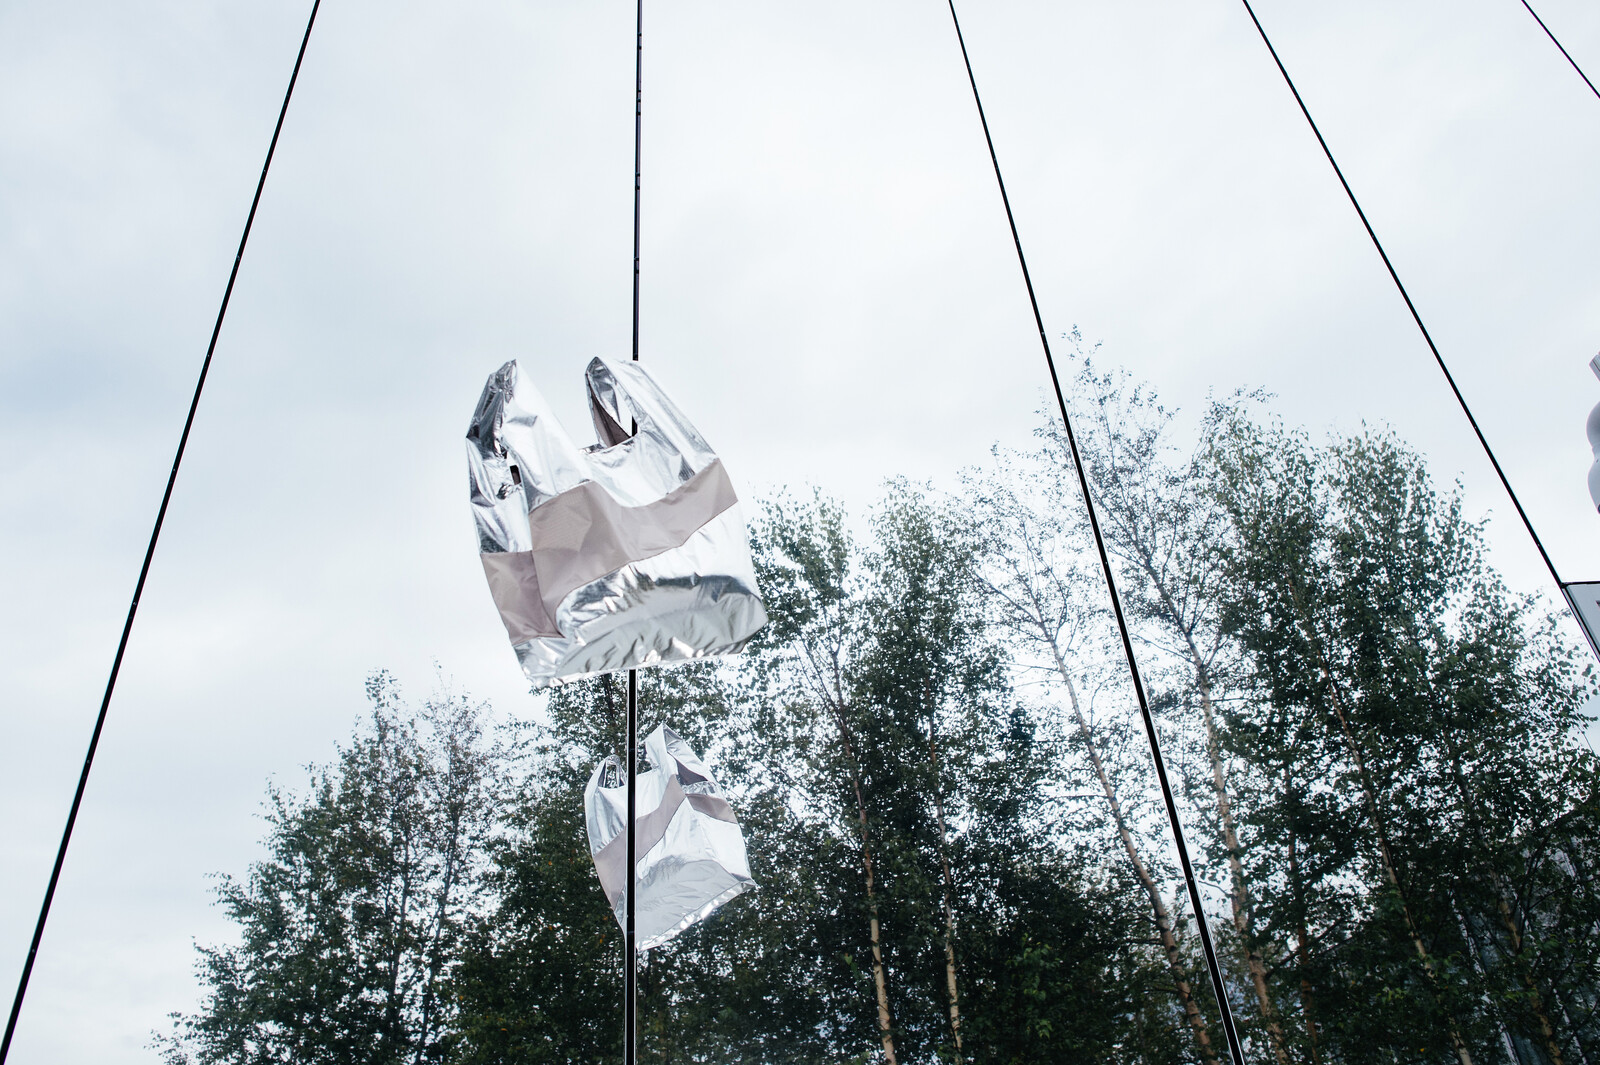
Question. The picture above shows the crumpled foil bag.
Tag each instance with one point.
(689, 848)
(629, 553)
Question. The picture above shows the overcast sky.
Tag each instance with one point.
(829, 291)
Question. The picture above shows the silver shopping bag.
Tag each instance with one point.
(628, 553)
(690, 851)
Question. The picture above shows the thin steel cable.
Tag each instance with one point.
(1235, 1051)
(630, 934)
(1564, 52)
(149, 554)
(638, 145)
(1412, 307)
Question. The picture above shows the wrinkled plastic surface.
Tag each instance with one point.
(689, 847)
(628, 553)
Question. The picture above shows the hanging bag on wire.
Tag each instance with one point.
(691, 856)
(629, 553)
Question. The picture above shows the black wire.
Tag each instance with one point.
(1564, 52)
(149, 553)
(1416, 317)
(1235, 1051)
(630, 934)
(630, 931)
(638, 145)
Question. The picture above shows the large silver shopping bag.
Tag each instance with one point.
(628, 553)
(688, 844)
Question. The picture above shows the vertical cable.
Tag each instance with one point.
(1235, 1051)
(630, 938)
(638, 144)
(1415, 316)
(1564, 52)
(149, 554)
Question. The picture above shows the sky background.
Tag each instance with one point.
(829, 291)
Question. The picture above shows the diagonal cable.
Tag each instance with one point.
(1218, 985)
(1410, 306)
(149, 554)
(1563, 50)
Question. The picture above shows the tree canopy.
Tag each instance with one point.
(948, 802)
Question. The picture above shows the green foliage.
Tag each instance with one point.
(352, 923)
(949, 808)
(1412, 772)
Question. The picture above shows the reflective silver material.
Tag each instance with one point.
(628, 553)
(691, 851)
(1592, 427)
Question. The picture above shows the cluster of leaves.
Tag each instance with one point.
(949, 807)
(1379, 743)
(352, 923)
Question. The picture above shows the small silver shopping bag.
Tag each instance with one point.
(629, 553)
(689, 848)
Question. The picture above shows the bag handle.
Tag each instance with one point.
(623, 393)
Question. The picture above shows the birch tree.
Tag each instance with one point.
(1435, 705)
(1048, 599)
(1162, 525)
